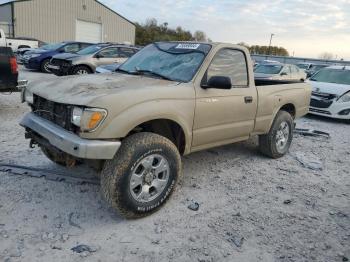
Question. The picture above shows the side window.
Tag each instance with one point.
(71, 48)
(83, 45)
(287, 70)
(112, 52)
(231, 63)
(126, 52)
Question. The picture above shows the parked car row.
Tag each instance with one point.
(311, 69)
(331, 85)
(331, 92)
(74, 58)
(274, 71)
(39, 59)
(87, 60)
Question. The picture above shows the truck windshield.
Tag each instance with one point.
(268, 69)
(52, 46)
(173, 61)
(336, 76)
(90, 50)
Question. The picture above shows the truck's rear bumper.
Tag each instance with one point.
(68, 142)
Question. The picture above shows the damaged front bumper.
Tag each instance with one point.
(68, 142)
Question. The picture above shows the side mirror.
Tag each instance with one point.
(98, 56)
(283, 74)
(219, 82)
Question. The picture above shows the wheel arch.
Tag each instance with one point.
(83, 65)
(290, 108)
(166, 127)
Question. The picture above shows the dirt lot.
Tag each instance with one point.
(251, 208)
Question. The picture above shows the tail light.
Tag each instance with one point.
(14, 66)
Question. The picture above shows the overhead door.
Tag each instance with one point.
(88, 32)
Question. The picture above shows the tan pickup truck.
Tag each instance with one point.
(169, 99)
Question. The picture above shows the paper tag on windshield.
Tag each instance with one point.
(187, 46)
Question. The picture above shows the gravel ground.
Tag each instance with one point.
(251, 208)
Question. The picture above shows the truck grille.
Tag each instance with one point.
(59, 114)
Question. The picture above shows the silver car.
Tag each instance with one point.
(87, 60)
(279, 72)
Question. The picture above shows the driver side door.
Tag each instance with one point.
(224, 116)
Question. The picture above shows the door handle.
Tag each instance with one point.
(248, 99)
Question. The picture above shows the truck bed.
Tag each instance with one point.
(295, 96)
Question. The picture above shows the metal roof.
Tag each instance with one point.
(5, 2)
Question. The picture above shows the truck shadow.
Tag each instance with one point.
(80, 201)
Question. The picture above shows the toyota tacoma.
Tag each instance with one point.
(169, 99)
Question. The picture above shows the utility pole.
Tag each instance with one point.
(268, 52)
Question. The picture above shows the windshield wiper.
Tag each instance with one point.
(145, 71)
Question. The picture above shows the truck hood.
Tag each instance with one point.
(66, 56)
(85, 89)
(329, 88)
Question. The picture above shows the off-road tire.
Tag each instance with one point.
(75, 70)
(267, 143)
(50, 154)
(116, 173)
(43, 66)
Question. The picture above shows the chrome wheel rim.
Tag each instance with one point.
(149, 178)
(82, 72)
(46, 67)
(282, 136)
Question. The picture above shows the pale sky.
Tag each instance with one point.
(307, 27)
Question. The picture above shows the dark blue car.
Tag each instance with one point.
(39, 59)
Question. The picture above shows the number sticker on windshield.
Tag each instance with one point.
(187, 46)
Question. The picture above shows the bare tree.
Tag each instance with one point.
(326, 56)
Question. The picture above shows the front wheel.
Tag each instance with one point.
(142, 175)
(81, 70)
(45, 66)
(276, 143)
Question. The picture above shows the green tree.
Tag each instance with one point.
(151, 31)
(266, 50)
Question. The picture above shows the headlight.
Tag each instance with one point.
(76, 115)
(28, 96)
(88, 119)
(344, 98)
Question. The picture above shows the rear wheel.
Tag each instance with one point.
(45, 66)
(142, 175)
(276, 143)
(81, 70)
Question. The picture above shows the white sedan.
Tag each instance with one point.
(331, 92)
